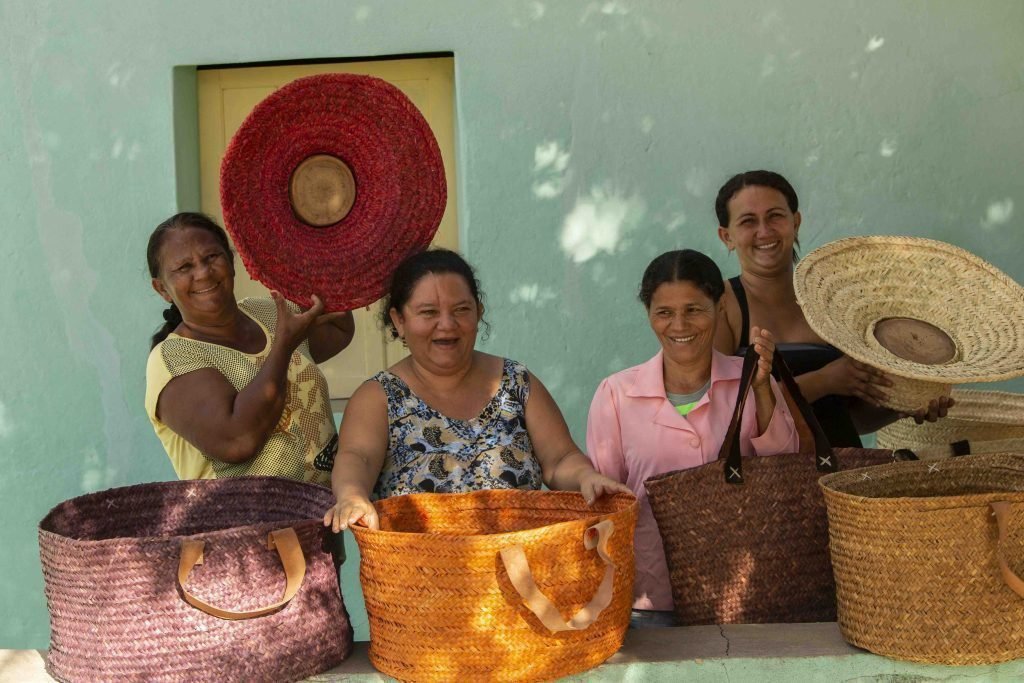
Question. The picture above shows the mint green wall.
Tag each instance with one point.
(591, 137)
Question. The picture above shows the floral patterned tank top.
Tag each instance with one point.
(431, 453)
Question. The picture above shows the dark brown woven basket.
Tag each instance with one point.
(747, 541)
(112, 560)
(927, 557)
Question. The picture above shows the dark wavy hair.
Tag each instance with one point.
(686, 265)
(769, 179)
(179, 221)
(411, 271)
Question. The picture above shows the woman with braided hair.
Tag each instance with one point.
(232, 387)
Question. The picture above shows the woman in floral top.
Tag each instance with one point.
(449, 418)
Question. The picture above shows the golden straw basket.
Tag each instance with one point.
(495, 585)
(927, 558)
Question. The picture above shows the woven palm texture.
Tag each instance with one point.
(400, 184)
(916, 551)
(848, 287)
(979, 417)
(111, 560)
(752, 548)
(442, 606)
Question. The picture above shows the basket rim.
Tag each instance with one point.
(591, 519)
(164, 538)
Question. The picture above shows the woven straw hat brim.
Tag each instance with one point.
(400, 199)
(849, 285)
(976, 416)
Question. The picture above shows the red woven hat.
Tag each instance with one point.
(329, 183)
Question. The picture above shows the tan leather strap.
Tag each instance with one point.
(285, 541)
(1002, 511)
(514, 559)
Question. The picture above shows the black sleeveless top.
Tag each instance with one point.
(832, 411)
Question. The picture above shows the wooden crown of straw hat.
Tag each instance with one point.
(329, 183)
(927, 313)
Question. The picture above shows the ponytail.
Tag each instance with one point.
(172, 318)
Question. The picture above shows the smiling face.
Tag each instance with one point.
(196, 274)
(439, 322)
(684, 318)
(762, 230)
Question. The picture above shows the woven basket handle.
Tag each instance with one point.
(1002, 511)
(518, 570)
(824, 458)
(285, 541)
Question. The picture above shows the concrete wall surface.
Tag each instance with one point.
(592, 136)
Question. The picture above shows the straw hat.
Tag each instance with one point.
(927, 313)
(986, 419)
(329, 183)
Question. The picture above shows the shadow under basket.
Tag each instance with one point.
(497, 585)
(208, 580)
(927, 557)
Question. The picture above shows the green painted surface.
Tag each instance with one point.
(591, 137)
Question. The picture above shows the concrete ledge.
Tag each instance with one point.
(773, 653)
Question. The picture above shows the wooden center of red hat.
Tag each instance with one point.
(322, 190)
(915, 340)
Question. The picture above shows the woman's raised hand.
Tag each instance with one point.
(293, 328)
(764, 344)
(349, 510)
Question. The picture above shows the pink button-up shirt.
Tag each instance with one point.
(634, 432)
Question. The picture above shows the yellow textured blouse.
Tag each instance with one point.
(305, 440)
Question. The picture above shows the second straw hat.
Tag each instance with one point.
(329, 183)
(927, 313)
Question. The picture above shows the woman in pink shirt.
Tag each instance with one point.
(672, 412)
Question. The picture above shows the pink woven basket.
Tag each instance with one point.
(175, 581)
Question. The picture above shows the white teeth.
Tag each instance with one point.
(683, 340)
(204, 291)
(768, 246)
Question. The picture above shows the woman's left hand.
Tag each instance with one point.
(937, 408)
(764, 344)
(593, 484)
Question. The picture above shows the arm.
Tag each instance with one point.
(776, 432)
(869, 418)
(764, 397)
(562, 464)
(331, 334)
(228, 425)
(362, 447)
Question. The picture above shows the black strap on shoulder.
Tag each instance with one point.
(741, 299)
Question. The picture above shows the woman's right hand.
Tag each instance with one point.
(349, 510)
(848, 377)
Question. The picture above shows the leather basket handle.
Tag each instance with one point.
(1001, 510)
(285, 541)
(824, 458)
(514, 559)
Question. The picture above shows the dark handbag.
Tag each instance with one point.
(208, 580)
(746, 540)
